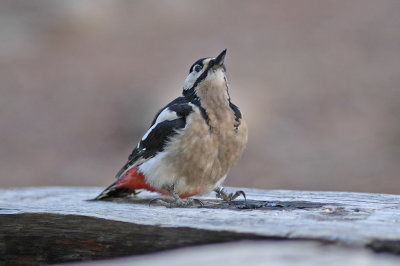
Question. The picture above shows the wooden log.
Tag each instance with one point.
(58, 224)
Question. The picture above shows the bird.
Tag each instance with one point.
(191, 143)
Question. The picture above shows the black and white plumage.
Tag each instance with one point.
(193, 141)
(165, 125)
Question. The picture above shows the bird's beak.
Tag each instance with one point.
(219, 60)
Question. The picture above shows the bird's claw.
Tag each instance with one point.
(177, 203)
(159, 201)
(220, 193)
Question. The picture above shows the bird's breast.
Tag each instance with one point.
(198, 157)
(203, 151)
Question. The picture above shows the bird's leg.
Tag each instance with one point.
(177, 202)
(228, 197)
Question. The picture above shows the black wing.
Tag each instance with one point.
(165, 125)
(178, 101)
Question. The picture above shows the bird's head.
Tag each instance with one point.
(209, 71)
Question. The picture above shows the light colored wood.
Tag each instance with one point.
(351, 218)
(354, 219)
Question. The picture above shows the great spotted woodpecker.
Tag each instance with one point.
(192, 142)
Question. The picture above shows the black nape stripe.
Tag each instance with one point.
(227, 89)
(203, 112)
(237, 113)
(235, 109)
(191, 96)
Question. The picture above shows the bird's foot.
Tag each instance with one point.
(228, 197)
(178, 203)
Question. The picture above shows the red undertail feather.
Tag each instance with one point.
(131, 181)
(134, 179)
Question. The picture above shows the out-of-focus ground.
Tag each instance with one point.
(317, 81)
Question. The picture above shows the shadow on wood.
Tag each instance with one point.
(51, 238)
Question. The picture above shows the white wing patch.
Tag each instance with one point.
(165, 115)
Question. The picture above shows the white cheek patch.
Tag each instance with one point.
(189, 81)
(165, 115)
(193, 76)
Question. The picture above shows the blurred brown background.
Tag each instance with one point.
(318, 81)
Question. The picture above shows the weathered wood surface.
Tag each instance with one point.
(57, 224)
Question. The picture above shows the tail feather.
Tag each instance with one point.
(128, 184)
(113, 191)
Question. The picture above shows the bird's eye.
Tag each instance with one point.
(197, 68)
